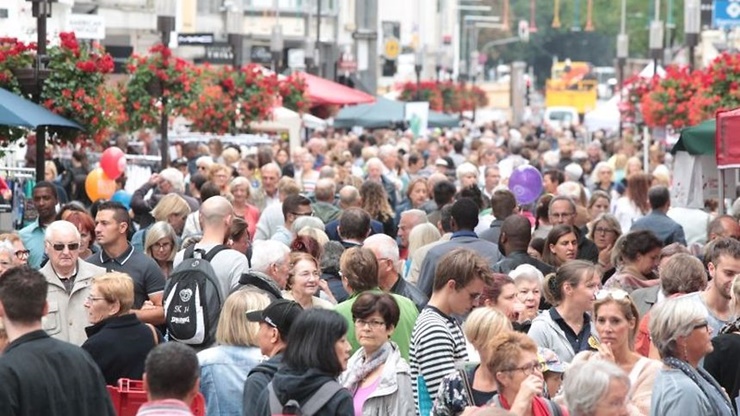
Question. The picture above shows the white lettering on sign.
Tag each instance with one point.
(86, 26)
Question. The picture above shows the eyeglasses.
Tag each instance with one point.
(600, 230)
(371, 324)
(22, 254)
(70, 246)
(91, 298)
(560, 215)
(616, 294)
(530, 368)
(303, 214)
(162, 246)
(474, 296)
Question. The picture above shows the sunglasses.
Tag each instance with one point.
(70, 246)
(616, 294)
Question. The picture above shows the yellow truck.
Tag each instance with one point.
(572, 84)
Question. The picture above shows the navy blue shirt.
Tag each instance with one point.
(578, 341)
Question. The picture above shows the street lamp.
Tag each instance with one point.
(165, 26)
(418, 65)
(692, 23)
(40, 9)
(623, 44)
(656, 38)
(276, 46)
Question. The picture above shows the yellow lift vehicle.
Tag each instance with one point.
(572, 84)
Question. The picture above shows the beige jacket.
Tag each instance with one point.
(67, 317)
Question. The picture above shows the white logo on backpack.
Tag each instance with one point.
(185, 294)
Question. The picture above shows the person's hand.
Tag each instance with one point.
(605, 256)
(605, 352)
(324, 287)
(147, 305)
(154, 179)
(531, 386)
(7, 194)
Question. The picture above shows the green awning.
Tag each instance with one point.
(385, 113)
(697, 140)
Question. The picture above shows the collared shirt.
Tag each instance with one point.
(147, 276)
(579, 341)
(463, 233)
(32, 236)
(166, 407)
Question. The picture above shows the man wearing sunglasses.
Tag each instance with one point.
(69, 283)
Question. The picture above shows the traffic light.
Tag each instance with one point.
(528, 92)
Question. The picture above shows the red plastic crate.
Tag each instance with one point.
(130, 395)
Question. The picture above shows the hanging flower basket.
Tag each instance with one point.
(27, 80)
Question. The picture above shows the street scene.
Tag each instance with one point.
(367, 207)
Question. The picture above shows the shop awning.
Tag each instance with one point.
(322, 91)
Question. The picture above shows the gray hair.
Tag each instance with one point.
(387, 150)
(266, 253)
(307, 222)
(61, 226)
(374, 161)
(465, 169)
(383, 245)
(158, 231)
(673, 318)
(6, 247)
(586, 382)
(527, 273)
(420, 217)
(174, 177)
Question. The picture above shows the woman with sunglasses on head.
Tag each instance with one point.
(616, 320)
(681, 333)
(639, 255)
(376, 375)
(566, 328)
(518, 373)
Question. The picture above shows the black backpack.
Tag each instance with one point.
(193, 299)
(314, 403)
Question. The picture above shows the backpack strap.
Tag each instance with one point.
(320, 398)
(276, 408)
(554, 408)
(212, 253)
(189, 252)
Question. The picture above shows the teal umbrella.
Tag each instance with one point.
(16, 111)
(697, 140)
(385, 113)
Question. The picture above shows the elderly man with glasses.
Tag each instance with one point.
(68, 277)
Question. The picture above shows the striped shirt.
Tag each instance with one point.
(437, 344)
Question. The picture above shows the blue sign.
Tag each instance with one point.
(726, 13)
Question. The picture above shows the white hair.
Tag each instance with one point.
(466, 168)
(585, 383)
(597, 170)
(573, 172)
(386, 150)
(374, 161)
(175, 178)
(673, 318)
(205, 160)
(420, 217)
(384, 246)
(61, 226)
(527, 272)
(266, 253)
(570, 189)
(307, 222)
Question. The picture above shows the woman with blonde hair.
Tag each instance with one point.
(240, 192)
(616, 320)
(220, 175)
(419, 236)
(474, 385)
(117, 340)
(304, 282)
(224, 368)
(375, 202)
(162, 244)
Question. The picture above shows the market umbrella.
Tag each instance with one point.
(385, 113)
(697, 140)
(16, 111)
(322, 91)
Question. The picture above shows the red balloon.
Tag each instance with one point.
(113, 162)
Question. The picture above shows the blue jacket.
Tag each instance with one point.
(223, 371)
(667, 230)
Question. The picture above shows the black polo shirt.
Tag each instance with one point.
(579, 342)
(146, 274)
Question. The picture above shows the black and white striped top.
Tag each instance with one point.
(437, 344)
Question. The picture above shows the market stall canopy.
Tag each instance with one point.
(322, 91)
(16, 111)
(385, 113)
(697, 140)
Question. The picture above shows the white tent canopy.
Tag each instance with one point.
(285, 120)
(605, 116)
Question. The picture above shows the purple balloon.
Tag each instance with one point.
(526, 184)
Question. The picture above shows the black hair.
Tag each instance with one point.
(638, 242)
(208, 190)
(555, 175)
(198, 179)
(474, 193)
(658, 196)
(120, 213)
(171, 369)
(311, 341)
(443, 192)
(445, 218)
(465, 213)
(354, 223)
(47, 185)
(371, 302)
(292, 202)
(23, 294)
(518, 231)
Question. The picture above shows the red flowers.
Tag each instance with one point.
(445, 96)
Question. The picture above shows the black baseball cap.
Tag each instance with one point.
(279, 314)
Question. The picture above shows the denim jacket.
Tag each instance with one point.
(223, 370)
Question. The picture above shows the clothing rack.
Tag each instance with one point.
(20, 172)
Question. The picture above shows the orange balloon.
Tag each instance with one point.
(99, 186)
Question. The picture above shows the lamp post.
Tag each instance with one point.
(418, 65)
(276, 46)
(656, 38)
(40, 9)
(165, 26)
(692, 23)
(623, 44)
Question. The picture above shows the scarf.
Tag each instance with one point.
(716, 396)
(366, 366)
(539, 405)
(731, 327)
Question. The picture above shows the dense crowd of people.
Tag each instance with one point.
(378, 274)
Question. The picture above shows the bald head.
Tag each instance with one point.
(215, 210)
(516, 231)
(724, 226)
(349, 197)
(384, 247)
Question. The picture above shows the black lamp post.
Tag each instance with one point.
(165, 25)
(40, 9)
(692, 24)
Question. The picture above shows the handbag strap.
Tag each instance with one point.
(154, 334)
(467, 386)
